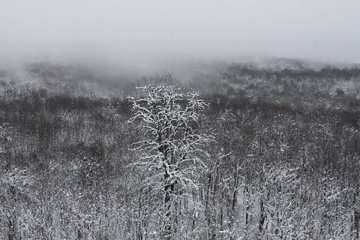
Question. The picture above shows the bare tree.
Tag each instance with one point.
(171, 149)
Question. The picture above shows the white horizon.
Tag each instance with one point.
(143, 32)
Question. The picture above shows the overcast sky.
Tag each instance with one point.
(134, 30)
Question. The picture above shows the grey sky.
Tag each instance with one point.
(133, 30)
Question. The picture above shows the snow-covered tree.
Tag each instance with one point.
(171, 150)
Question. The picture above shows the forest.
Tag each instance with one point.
(215, 151)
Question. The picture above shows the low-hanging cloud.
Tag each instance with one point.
(142, 32)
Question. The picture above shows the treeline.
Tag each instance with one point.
(284, 162)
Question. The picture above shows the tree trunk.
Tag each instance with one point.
(234, 216)
(11, 233)
(247, 206)
(356, 224)
(167, 204)
(208, 208)
(355, 228)
(168, 189)
(169, 215)
(139, 235)
(262, 217)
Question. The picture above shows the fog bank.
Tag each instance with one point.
(147, 34)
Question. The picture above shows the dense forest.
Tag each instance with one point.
(215, 151)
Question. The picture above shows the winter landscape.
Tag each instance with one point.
(118, 125)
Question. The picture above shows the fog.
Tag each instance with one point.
(146, 34)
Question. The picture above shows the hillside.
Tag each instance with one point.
(283, 162)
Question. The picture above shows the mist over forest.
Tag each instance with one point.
(263, 150)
